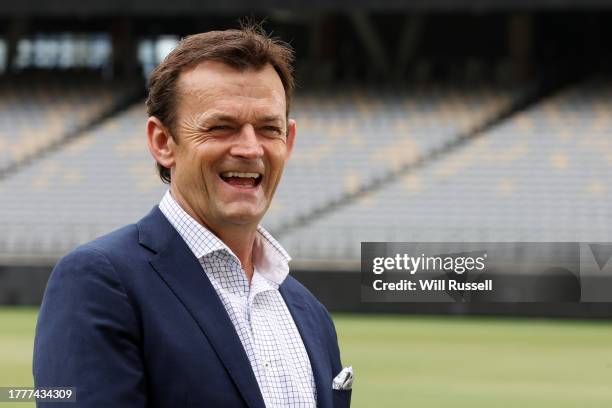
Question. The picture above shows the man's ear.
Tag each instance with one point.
(160, 142)
(291, 133)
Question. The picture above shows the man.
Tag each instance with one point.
(192, 306)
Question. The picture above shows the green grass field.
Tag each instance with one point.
(406, 361)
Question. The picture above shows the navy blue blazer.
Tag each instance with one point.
(131, 320)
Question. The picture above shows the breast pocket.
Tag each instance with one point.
(342, 398)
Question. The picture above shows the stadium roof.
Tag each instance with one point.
(63, 8)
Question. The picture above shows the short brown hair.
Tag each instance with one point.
(249, 47)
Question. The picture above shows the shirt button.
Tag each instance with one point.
(267, 364)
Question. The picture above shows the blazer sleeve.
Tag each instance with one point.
(87, 335)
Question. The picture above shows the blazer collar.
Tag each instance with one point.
(178, 267)
(155, 232)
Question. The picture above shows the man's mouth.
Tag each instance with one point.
(240, 179)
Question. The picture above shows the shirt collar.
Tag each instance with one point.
(269, 258)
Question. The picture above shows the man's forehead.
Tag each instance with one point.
(223, 94)
(213, 81)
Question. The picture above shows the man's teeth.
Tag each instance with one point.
(237, 174)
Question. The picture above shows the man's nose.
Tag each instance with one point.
(247, 144)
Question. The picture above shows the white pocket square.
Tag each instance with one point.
(344, 380)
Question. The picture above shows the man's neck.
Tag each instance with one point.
(241, 244)
(239, 238)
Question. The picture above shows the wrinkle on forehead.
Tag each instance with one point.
(215, 89)
(201, 105)
(208, 94)
(234, 111)
(244, 108)
(211, 80)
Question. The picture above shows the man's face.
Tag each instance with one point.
(233, 142)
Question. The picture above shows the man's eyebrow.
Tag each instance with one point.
(271, 118)
(222, 117)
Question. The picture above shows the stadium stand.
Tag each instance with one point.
(345, 140)
(106, 172)
(40, 111)
(542, 175)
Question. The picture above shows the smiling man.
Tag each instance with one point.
(193, 305)
(227, 149)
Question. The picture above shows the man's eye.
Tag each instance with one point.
(272, 130)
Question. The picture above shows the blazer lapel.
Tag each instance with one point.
(182, 272)
(303, 318)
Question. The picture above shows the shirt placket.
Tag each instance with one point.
(264, 340)
(231, 284)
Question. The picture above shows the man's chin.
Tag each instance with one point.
(242, 214)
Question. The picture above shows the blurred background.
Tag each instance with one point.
(438, 120)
